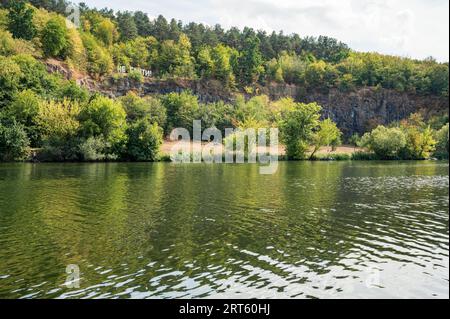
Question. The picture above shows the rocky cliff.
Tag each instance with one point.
(355, 111)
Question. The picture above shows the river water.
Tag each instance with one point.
(140, 230)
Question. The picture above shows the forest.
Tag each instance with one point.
(65, 122)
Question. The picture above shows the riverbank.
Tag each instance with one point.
(341, 153)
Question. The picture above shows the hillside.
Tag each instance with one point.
(119, 76)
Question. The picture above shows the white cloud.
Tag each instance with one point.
(415, 28)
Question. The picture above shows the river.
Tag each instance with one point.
(161, 230)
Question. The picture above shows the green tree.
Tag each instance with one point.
(14, 142)
(100, 61)
(144, 141)
(251, 61)
(182, 108)
(297, 127)
(21, 20)
(127, 26)
(386, 143)
(55, 39)
(59, 126)
(25, 109)
(148, 108)
(442, 146)
(106, 118)
(327, 134)
(10, 74)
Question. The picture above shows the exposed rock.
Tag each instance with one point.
(357, 111)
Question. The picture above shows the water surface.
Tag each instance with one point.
(312, 230)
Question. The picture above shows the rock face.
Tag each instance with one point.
(366, 108)
(354, 112)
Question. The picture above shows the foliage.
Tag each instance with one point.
(148, 108)
(103, 117)
(21, 20)
(94, 149)
(386, 143)
(10, 74)
(327, 134)
(55, 39)
(144, 140)
(297, 125)
(182, 108)
(442, 146)
(25, 109)
(13, 140)
(99, 60)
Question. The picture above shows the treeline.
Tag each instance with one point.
(410, 139)
(238, 58)
(65, 122)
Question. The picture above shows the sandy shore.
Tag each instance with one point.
(168, 145)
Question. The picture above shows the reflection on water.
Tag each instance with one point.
(313, 230)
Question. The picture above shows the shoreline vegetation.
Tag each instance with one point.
(45, 117)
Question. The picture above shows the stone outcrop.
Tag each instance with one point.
(355, 111)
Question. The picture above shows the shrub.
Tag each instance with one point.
(442, 146)
(25, 109)
(144, 140)
(136, 76)
(71, 91)
(21, 20)
(182, 109)
(14, 142)
(386, 143)
(55, 39)
(106, 118)
(331, 157)
(99, 60)
(420, 143)
(363, 156)
(149, 108)
(34, 76)
(94, 149)
(10, 74)
(57, 148)
(328, 134)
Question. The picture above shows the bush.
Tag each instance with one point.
(55, 39)
(149, 108)
(182, 109)
(10, 74)
(34, 76)
(136, 76)
(363, 156)
(331, 157)
(99, 60)
(442, 146)
(71, 91)
(386, 143)
(14, 142)
(105, 118)
(21, 20)
(94, 149)
(25, 109)
(60, 149)
(144, 140)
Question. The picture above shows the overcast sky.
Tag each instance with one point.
(413, 28)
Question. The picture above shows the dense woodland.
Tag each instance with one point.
(66, 122)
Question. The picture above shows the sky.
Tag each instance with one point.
(410, 28)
